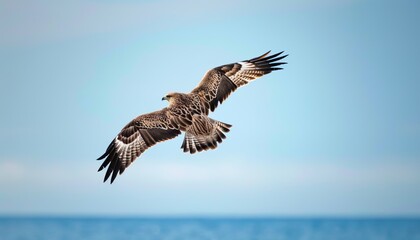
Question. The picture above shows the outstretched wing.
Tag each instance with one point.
(218, 83)
(137, 136)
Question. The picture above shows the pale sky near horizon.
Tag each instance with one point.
(337, 132)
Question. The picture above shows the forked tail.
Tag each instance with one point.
(204, 134)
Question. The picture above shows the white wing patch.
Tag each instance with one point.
(128, 152)
(246, 66)
(246, 73)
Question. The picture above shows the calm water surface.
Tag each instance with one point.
(47, 228)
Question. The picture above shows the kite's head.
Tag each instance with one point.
(172, 97)
(168, 97)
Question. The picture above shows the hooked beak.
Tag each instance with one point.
(165, 98)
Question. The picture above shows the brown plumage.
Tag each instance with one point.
(186, 113)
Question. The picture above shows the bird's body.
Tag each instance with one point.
(187, 112)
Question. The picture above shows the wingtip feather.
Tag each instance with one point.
(102, 156)
(259, 57)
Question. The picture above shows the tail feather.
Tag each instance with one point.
(197, 140)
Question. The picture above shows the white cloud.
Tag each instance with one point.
(231, 172)
(11, 171)
(224, 186)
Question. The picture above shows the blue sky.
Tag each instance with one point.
(336, 133)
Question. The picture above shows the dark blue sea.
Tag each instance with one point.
(104, 228)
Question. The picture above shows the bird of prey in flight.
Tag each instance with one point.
(187, 112)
